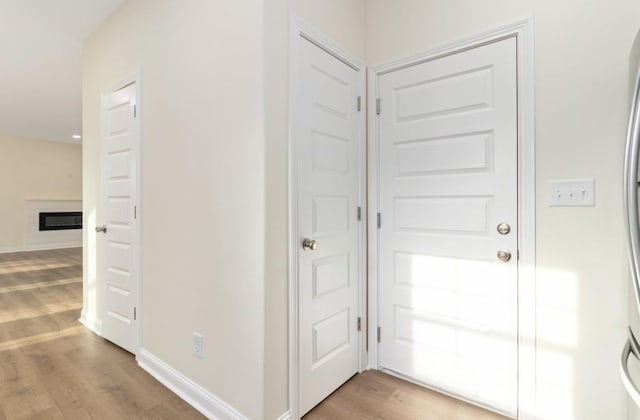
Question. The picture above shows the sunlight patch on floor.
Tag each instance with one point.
(40, 285)
(27, 313)
(24, 266)
(41, 338)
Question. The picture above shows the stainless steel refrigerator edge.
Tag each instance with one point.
(630, 358)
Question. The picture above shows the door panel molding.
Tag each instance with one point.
(300, 31)
(523, 32)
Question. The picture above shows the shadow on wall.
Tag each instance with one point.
(90, 296)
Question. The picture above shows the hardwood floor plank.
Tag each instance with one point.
(24, 397)
(75, 411)
(52, 367)
(52, 413)
(377, 396)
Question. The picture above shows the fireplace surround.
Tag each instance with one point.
(37, 239)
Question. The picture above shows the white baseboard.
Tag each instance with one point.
(90, 322)
(285, 416)
(10, 249)
(25, 248)
(198, 397)
(63, 245)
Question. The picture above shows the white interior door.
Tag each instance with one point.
(120, 253)
(448, 178)
(327, 153)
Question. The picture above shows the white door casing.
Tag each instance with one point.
(120, 140)
(327, 191)
(448, 176)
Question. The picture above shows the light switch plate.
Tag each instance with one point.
(572, 192)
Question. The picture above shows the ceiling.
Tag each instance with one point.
(41, 71)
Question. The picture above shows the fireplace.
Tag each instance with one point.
(60, 220)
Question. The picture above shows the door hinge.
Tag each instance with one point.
(135, 314)
(135, 212)
(359, 213)
(359, 324)
(135, 110)
(378, 106)
(378, 334)
(359, 103)
(379, 220)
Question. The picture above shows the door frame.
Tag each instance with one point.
(131, 78)
(299, 31)
(523, 32)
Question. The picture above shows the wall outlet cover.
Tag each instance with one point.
(197, 344)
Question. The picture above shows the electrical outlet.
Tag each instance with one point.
(572, 193)
(197, 345)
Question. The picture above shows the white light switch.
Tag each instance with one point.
(572, 192)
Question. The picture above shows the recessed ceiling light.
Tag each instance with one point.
(77, 136)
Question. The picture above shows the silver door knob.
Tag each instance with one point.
(503, 228)
(309, 244)
(504, 255)
(102, 229)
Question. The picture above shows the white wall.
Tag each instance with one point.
(581, 80)
(207, 152)
(34, 169)
(343, 21)
(202, 208)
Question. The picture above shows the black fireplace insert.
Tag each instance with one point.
(60, 220)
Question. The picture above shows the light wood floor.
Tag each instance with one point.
(51, 367)
(375, 395)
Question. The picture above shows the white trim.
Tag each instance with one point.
(523, 32)
(53, 199)
(11, 249)
(285, 416)
(134, 77)
(300, 29)
(139, 206)
(199, 398)
(362, 228)
(91, 322)
(44, 247)
(527, 222)
(372, 237)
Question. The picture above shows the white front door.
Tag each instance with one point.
(448, 179)
(120, 253)
(327, 144)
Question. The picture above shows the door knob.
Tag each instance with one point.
(503, 228)
(504, 255)
(309, 244)
(102, 229)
